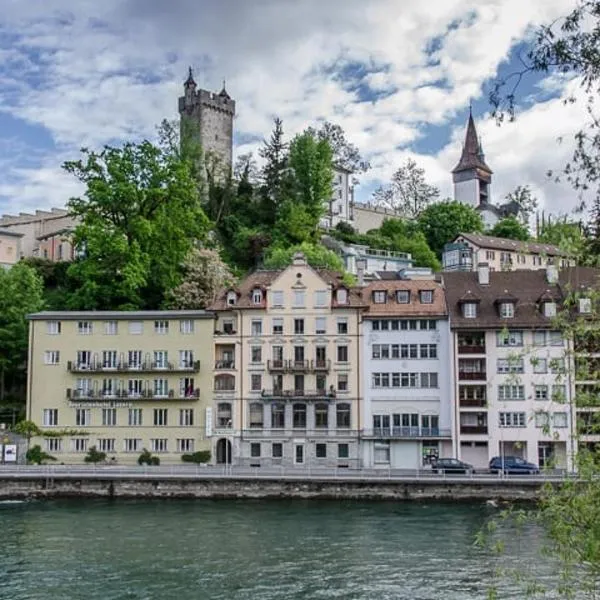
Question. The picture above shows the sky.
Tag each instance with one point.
(398, 76)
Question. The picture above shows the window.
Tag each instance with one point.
(106, 444)
(428, 350)
(470, 310)
(186, 326)
(298, 326)
(255, 450)
(257, 296)
(511, 392)
(560, 419)
(541, 392)
(82, 417)
(53, 444)
(379, 297)
(109, 417)
(135, 417)
(342, 382)
(426, 296)
(53, 327)
(341, 296)
(510, 365)
(256, 382)
(342, 326)
(256, 354)
(507, 310)
(161, 359)
(109, 388)
(585, 306)
(256, 327)
(320, 325)
(343, 451)
(50, 417)
(557, 366)
(111, 327)
(321, 298)
(79, 444)
(549, 309)
(277, 299)
(321, 450)
(224, 420)
(187, 389)
(161, 327)
(342, 354)
(403, 297)
(509, 338)
(299, 298)
(299, 416)
(277, 415)
(540, 365)
(489, 255)
(51, 357)
(277, 450)
(225, 383)
(160, 417)
(559, 393)
(84, 327)
(342, 416)
(185, 445)
(186, 417)
(136, 327)
(321, 415)
(277, 326)
(109, 359)
(186, 359)
(539, 338)
(542, 419)
(134, 359)
(158, 445)
(231, 298)
(429, 380)
(256, 415)
(555, 338)
(511, 419)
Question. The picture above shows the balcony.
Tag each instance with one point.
(471, 349)
(473, 403)
(473, 429)
(224, 365)
(100, 395)
(322, 365)
(278, 394)
(298, 366)
(126, 367)
(472, 376)
(276, 365)
(407, 433)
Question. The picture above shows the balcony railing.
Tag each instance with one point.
(276, 365)
(289, 432)
(224, 364)
(407, 432)
(225, 332)
(321, 364)
(474, 429)
(302, 366)
(472, 376)
(473, 402)
(127, 367)
(298, 365)
(97, 395)
(471, 349)
(278, 394)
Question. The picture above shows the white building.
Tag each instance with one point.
(406, 375)
(339, 208)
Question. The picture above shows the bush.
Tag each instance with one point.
(94, 456)
(200, 457)
(36, 456)
(145, 458)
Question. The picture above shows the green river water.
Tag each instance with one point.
(239, 550)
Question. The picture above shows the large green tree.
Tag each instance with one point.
(139, 217)
(510, 228)
(443, 221)
(568, 236)
(316, 255)
(21, 293)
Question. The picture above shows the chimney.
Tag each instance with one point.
(483, 273)
(552, 274)
(361, 264)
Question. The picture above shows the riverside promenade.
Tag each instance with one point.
(191, 481)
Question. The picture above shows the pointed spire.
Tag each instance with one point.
(472, 153)
(223, 93)
(190, 79)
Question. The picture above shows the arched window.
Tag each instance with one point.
(225, 383)
(299, 415)
(257, 296)
(321, 415)
(342, 413)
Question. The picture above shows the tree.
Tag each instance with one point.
(568, 236)
(27, 429)
(523, 196)
(204, 274)
(36, 456)
(510, 228)
(94, 456)
(409, 193)
(21, 293)
(146, 458)
(274, 153)
(139, 217)
(567, 47)
(316, 256)
(443, 221)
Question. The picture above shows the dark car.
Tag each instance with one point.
(451, 465)
(513, 465)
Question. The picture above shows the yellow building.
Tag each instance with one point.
(120, 381)
(286, 378)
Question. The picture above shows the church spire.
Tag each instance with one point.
(472, 152)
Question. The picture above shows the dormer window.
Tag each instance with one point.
(549, 309)
(403, 296)
(231, 298)
(341, 296)
(585, 306)
(469, 310)
(426, 296)
(257, 296)
(379, 296)
(507, 310)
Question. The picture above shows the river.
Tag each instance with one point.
(234, 550)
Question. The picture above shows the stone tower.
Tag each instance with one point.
(209, 118)
(472, 177)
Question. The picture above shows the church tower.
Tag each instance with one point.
(208, 117)
(472, 177)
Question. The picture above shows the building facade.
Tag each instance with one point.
(407, 399)
(120, 381)
(286, 382)
(469, 249)
(512, 389)
(57, 246)
(10, 248)
(339, 208)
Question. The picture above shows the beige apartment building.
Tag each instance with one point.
(121, 381)
(286, 378)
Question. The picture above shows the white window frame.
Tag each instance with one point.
(277, 298)
(135, 327)
(159, 445)
(470, 310)
(186, 326)
(111, 327)
(186, 417)
(85, 328)
(320, 298)
(299, 297)
(52, 357)
(161, 327)
(53, 327)
(426, 296)
(379, 296)
(50, 417)
(507, 310)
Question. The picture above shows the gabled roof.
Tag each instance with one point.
(413, 309)
(472, 154)
(489, 242)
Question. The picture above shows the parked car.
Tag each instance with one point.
(513, 465)
(451, 465)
